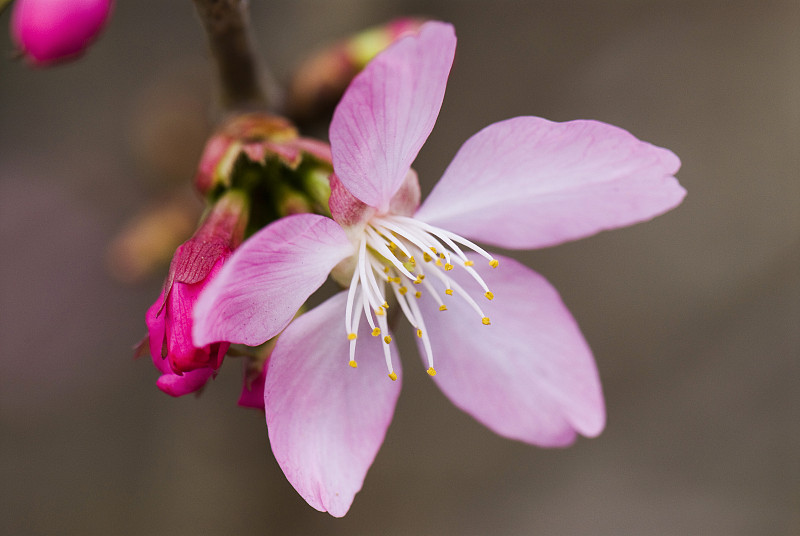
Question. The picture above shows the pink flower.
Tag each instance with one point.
(504, 347)
(48, 31)
(185, 367)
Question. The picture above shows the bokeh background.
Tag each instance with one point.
(694, 317)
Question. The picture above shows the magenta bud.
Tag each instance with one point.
(169, 320)
(51, 31)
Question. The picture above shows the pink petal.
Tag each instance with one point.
(183, 354)
(169, 382)
(529, 375)
(267, 279)
(405, 201)
(188, 382)
(326, 420)
(388, 112)
(528, 182)
(156, 330)
(253, 388)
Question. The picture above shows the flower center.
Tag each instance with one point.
(406, 254)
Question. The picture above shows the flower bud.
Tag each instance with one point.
(169, 319)
(50, 31)
(319, 82)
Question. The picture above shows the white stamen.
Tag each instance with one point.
(402, 300)
(377, 243)
(354, 329)
(388, 253)
(426, 341)
(351, 295)
(386, 353)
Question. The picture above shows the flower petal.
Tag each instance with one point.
(267, 279)
(156, 321)
(179, 385)
(388, 111)
(253, 388)
(326, 420)
(529, 375)
(528, 182)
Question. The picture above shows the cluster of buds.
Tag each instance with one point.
(254, 169)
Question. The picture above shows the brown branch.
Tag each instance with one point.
(227, 25)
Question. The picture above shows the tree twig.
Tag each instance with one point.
(227, 26)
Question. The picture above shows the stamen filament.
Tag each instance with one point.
(402, 301)
(351, 294)
(354, 331)
(387, 355)
(379, 245)
(461, 292)
(385, 233)
(422, 332)
(408, 234)
(368, 282)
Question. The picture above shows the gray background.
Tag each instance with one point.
(694, 318)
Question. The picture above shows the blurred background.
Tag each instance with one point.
(694, 318)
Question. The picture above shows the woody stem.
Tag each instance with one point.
(239, 74)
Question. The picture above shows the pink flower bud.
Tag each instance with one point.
(186, 368)
(49, 31)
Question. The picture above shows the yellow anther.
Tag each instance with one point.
(432, 371)
(403, 291)
(421, 277)
(448, 267)
(412, 260)
(486, 321)
(376, 332)
(493, 263)
(469, 263)
(426, 257)
(441, 256)
(392, 246)
(393, 279)
(351, 337)
(489, 295)
(438, 262)
(387, 339)
(449, 291)
(434, 250)
(419, 333)
(379, 312)
(393, 376)
(443, 307)
(386, 269)
(385, 305)
(418, 294)
(353, 363)
(417, 281)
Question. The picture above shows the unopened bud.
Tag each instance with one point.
(320, 81)
(51, 31)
